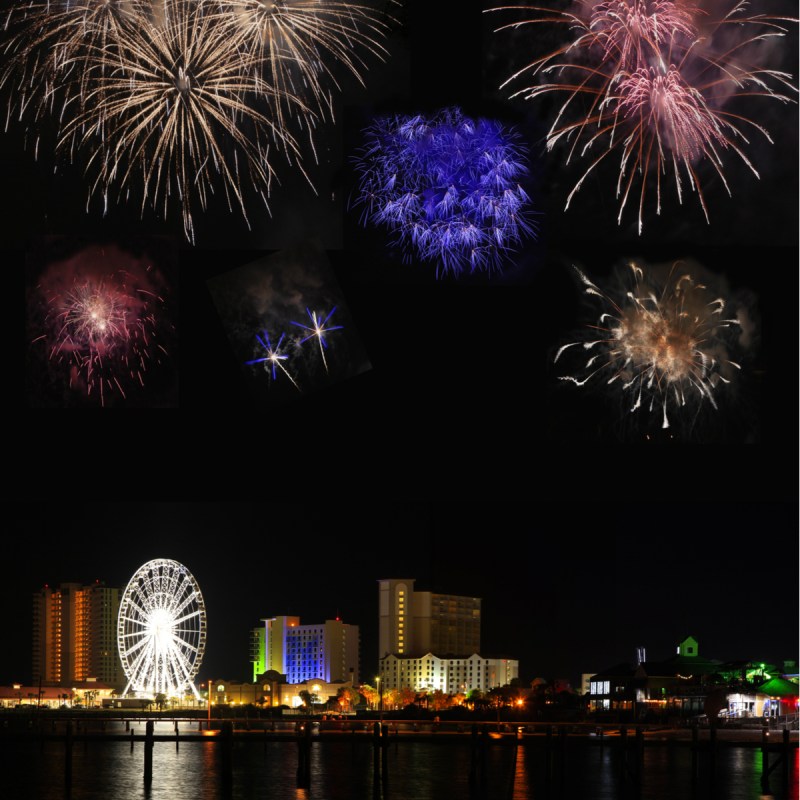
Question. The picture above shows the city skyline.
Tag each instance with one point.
(561, 603)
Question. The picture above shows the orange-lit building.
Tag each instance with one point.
(75, 634)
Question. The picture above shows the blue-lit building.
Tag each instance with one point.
(326, 651)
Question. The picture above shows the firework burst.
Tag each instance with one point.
(173, 101)
(98, 325)
(649, 81)
(662, 344)
(274, 357)
(104, 331)
(178, 111)
(449, 187)
(319, 329)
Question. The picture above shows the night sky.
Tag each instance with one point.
(565, 589)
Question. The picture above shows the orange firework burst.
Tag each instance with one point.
(665, 344)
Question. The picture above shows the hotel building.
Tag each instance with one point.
(75, 634)
(327, 651)
(429, 641)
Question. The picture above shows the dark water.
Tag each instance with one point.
(344, 771)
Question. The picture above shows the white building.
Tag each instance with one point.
(449, 674)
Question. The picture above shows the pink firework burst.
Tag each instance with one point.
(102, 327)
(651, 81)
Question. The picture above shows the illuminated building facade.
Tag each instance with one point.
(449, 674)
(275, 693)
(414, 623)
(688, 684)
(326, 651)
(74, 634)
(258, 654)
(420, 635)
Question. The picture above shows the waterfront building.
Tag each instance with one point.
(75, 634)
(688, 684)
(429, 641)
(450, 674)
(82, 694)
(273, 690)
(327, 651)
(419, 622)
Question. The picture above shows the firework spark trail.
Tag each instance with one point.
(49, 64)
(447, 186)
(273, 358)
(648, 80)
(318, 330)
(662, 343)
(296, 37)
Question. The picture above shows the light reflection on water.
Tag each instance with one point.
(344, 771)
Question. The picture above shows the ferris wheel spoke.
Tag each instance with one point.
(132, 634)
(186, 669)
(196, 613)
(134, 647)
(139, 666)
(186, 602)
(130, 602)
(188, 646)
(143, 598)
(174, 584)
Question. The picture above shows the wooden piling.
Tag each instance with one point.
(226, 748)
(148, 753)
(785, 756)
(68, 756)
(639, 753)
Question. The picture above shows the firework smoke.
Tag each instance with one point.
(653, 82)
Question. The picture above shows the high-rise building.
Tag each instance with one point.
(75, 634)
(302, 652)
(429, 641)
(415, 623)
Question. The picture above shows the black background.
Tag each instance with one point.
(462, 394)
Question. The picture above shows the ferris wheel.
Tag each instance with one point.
(161, 629)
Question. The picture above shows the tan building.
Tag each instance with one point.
(414, 623)
(75, 634)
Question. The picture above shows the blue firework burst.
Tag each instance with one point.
(447, 186)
